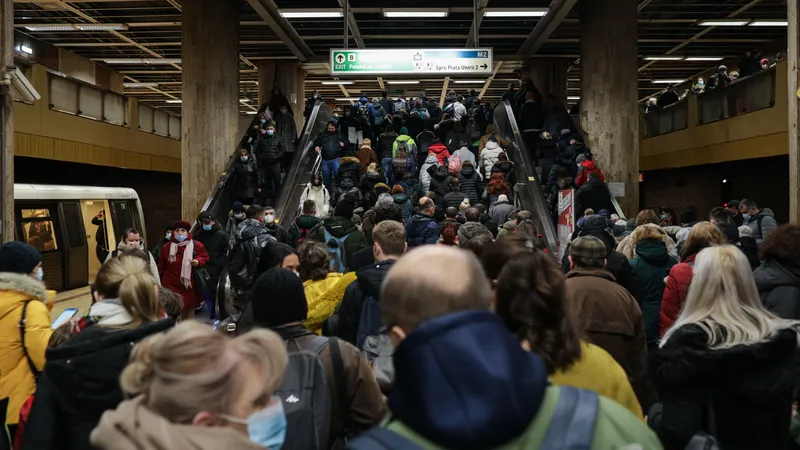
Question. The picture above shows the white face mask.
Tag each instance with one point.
(269, 218)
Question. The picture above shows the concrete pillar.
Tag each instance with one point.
(550, 76)
(210, 54)
(609, 108)
(289, 78)
(793, 70)
(7, 105)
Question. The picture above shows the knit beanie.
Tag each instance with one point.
(238, 207)
(403, 130)
(278, 298)
(182, 224)
(345, 208)
(18, 257)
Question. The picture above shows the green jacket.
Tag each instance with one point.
(616, 428)
(303, 221)
(651, 266)
(338, 227)
(411, 146)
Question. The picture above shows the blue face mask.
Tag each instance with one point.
(40, 274)
(270, 132)
(284, 110)
(208, 227)
(266, 427)
(181, 237)
(746, 216)
(263, 121)
(168, 236)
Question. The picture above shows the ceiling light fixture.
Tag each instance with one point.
(25, 49)
(769, 23)
(402, 82)
(573, 97)
(667, 81)
(244, 100)
(174, 101)
(139, 85)
(76, 27)
(310, 13)
(337, 82)
(346, 99)
(703, 58)
(469, 81)
(142, 60)
(663, 58)
(723, 23)
(251, 113)
(424, 12)
(517, 12)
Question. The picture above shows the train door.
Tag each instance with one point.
(94, 209)
(76, 249)
(38, 226)
(122, 216)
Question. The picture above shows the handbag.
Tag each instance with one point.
(202, 280)
(706, 440)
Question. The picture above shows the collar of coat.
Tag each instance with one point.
(23, 283)
(587, 272)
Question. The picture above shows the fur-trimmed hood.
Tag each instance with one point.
(628, 245)
(21, 284)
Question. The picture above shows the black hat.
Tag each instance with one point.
(732, 204)
(205, 215)
(278, 298)
(593, 223)
(238, 207)
(345, 207)
(18, 257)
(169, 227)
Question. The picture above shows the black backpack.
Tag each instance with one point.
(243, 264)
(306, 395)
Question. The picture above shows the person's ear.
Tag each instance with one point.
(405, 247)
(397, 335)
(571, 263)
(605, 263)
(205, 419)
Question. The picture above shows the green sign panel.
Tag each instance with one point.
(411, 61)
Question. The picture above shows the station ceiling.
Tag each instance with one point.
(152, 29)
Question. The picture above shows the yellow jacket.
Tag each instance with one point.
(323, 296)
(16, 380)
(597, 371)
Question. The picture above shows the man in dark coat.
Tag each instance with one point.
(216, 242)
(455, 197)
(269, 152)
(594, 194)
(440, 182)
(422, 229)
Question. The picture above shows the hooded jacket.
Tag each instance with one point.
(301, 222)
(470, 184)
(499, 211)
(779, 288)
(386, 145)
(79, 383)
(762, 224)
(349, 167)
(489, 156)
(133, 426)
(594, 195)
(610, 318)
(367, 285)
(404, 203)
(440, 182)
(421, 230)
(440, 151)
(323, 296)
(750, 387)
(470, 230)
(340, 227)
(583, 172)
(320, 196)
(454, 198)
(465, 154)
(506, 228)
(680, 276)
(424, 175)
(366, 156)
(628, 245)
(492, 130)
(17, 381)
(651, 267)
(411, 146)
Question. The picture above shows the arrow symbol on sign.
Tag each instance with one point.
(484, 66)
(340, 58)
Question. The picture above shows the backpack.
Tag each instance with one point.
(454, 166)
(335, 246)
(243, 262)
(301, 234)
(375, 346)
(306, 395)
(363, 111)
(399, 167)
(402, 149)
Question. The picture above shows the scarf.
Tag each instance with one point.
(186, 265)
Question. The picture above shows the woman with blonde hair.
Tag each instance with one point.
(324, 288)
(702, 235)
(646, 228)
(194, 388)
(80, 379)
(726, 366)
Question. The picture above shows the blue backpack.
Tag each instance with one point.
(376, 347)
(335, 246)
(571, 427)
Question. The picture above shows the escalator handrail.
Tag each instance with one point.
(527, 180)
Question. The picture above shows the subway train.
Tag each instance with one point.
(65, 222)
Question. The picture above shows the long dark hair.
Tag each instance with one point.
(532, 303)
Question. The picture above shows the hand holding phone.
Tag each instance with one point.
(65, 316)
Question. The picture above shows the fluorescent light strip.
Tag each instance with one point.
(703, 58)
(25, 49)
(139, 85)
(404, 13)
(469, 81)
(174, 101)
(142, 60)
(529, 12)
(337, 82)
(244, 100)
(346, 99)
(402, 82)
(77, 27)
(663, 58)
(769, 23)
(572, 97)
(723, 23)
(667, 81)
(251, 113)
(310, 14)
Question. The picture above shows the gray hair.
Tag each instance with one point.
(384, 200)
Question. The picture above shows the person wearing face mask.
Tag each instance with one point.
(132, 240)
(329, 145)
(316, 192)
(380, 115)
(761, 221)
(235, 217)
(194, 388)
(351, 130)
(311, 102)
(286, 129)
(24, 325)
(275, 229)
(269, 152)
(179, 257)
(248, 177)
(215, 241)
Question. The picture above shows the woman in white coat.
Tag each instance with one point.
(316, 191)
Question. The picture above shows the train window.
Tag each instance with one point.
(37, 227)
(73, 221)
(121, 216)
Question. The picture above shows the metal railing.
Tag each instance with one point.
(742, 96)
(667, 120)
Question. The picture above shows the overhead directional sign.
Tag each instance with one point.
(448, 61)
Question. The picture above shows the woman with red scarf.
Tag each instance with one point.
(179, 257)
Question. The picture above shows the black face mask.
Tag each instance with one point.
(316, 183)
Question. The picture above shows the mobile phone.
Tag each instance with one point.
(65, 316)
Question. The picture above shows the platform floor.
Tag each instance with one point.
(78, 298)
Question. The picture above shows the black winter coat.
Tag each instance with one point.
(350, 168)
(329, 145)
(750, 387)
(79, 383)
(453, 199)
(593, 194)
(278, 232)
(269, 150)
(368, 284)
(531, 117)
(470, 184)
(421, 230)
(216, 243)
(386, 145)
(779, 288)
(440, 182)
(248, 178)
(651, 265)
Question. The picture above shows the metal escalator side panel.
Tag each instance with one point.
(527, 189)
(287, 205)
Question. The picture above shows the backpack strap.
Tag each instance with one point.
(573, 421)
(380, 438)
(340, 382)
(22, 321)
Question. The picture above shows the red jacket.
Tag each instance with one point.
(583, 172)
(680, 276)
(171, 272)
(440, 151)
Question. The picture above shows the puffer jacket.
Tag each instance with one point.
(489, 156)
(440, 182)
(324, 296)
(404, 203)
(320, 196)
(269, 150)
(470, 230)
(248, 178)
(424, 175)
(440, 151)
(583, 172)
(386, 145)
(492, 130)
(762, 224)
(350, 168)
(422, 230)
(779, 288)
(339, 227)
(680, 276)
(499, 212)
(330, 145)
(454, 198)
(18, 382)
(651, 266)
(507, 169)
(628, 245)
(470, 183)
